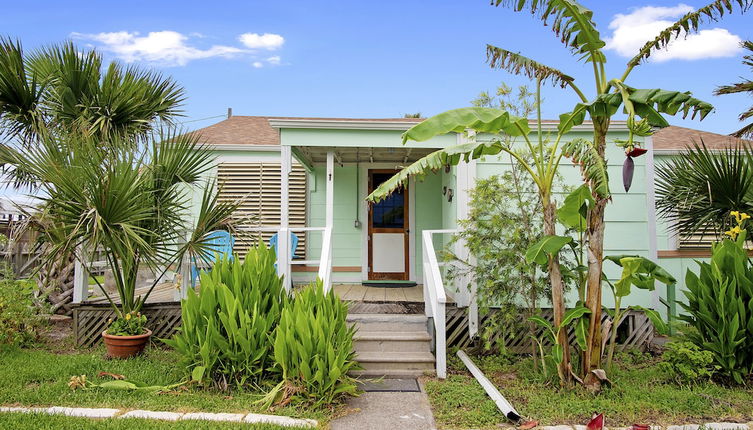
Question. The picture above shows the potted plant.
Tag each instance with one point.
(131, 201)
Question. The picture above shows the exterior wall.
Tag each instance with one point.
(627, 215)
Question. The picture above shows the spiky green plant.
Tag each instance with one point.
(227, 331)
(313, 349)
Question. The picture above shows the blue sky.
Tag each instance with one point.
(373, 59)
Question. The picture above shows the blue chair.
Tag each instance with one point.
(220, 245)
(293, 244)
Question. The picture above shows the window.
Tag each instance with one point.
(258, 184)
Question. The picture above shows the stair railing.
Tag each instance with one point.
(435, 298)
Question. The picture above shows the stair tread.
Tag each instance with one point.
(392, 335)
(392, 373)
(410, 318)
(395, 357)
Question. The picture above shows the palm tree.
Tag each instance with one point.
(697, 190)
(573, 24)
(132, 202)
(745, 86)
(61, 88)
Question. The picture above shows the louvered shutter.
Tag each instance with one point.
(257, 184)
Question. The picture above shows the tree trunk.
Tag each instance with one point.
(558, 297)
(592, 355)
(56, 279)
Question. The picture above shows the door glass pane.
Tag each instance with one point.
(389, 213)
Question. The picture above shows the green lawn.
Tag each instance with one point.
(641, 394)
(39, 377)
(58, 422)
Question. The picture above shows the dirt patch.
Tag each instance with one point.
(58, 337)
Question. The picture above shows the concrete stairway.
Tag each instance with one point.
(392, 345)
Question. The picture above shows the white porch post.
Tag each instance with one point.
(330, 214)
(283, 236)
(466, 285)
(80, 282)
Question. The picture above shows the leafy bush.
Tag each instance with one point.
(720, 305)
(20, 320)
(227, 331)
(313, 349)
(686, 363)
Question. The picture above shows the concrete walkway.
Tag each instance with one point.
(380, 411)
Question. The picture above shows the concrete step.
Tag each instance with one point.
(388, 322)
(390, 341)
(396, 363)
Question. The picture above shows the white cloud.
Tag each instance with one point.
(257, 64)
(267, 41)
(274, 60)
(631, 31)
(165, 47)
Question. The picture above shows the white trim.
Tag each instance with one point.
(242, 147)
(364, 215)
(283, 237)
(387, 124)
(651, 212)
(330, 190)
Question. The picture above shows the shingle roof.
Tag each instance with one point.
(677, 138)
(256, 130)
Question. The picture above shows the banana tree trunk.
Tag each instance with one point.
(592, 355)
(558, 297)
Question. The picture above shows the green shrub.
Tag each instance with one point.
(686, 363)
(20, 320)
(720, 305)
(313, 349)
(227, 331)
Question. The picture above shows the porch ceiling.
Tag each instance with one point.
(318, 154)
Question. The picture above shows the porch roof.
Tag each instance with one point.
(310, 155)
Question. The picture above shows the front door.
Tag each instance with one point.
(388, 231)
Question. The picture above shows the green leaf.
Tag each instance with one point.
(198, 373)
(540, 251)
(573, 314)
(572, 213)
(581, 332)
(655, 318)
(480, 119)
(592, 165)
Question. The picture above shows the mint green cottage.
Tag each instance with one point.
(310, 177)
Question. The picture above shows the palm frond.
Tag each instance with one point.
(745, 86)
(20, 92)
(690, 22)
(517, 64)
(697, 190)
(592, 165)
(571, 22)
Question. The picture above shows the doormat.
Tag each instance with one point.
(389, 284)
(390, 386)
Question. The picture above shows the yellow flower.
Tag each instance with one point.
(733, 232)
(744, 216)
(128, 317)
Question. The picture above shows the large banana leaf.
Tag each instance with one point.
(570, 21)
(436, 160)
(688, 23)
(517, 64)
(592, 165)
(480, 119)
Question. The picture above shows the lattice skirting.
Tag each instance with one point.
(90, 320)
(634, 331)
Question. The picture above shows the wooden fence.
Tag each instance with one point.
(90, 320)
(634, 331)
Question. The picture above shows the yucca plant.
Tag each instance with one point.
(313, 349)
(720, 304)
(227, 331)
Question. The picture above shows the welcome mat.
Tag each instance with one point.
(390, 386)
(389, 284)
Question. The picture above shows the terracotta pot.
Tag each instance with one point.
(125, 346)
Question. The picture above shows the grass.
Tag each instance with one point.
(640, 394)
(39, 377)
(59, 422)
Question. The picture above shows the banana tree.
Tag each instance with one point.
(573, 24)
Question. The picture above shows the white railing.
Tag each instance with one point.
(435, 298)
(284, 262)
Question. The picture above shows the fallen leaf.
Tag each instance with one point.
(111, 375)
(528, 425)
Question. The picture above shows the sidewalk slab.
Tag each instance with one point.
(152, 415)
(379, 411)
(207, 416)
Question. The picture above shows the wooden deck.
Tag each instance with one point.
(162, 293)
(361, 293)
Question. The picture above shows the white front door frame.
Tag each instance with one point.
(363, 210)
